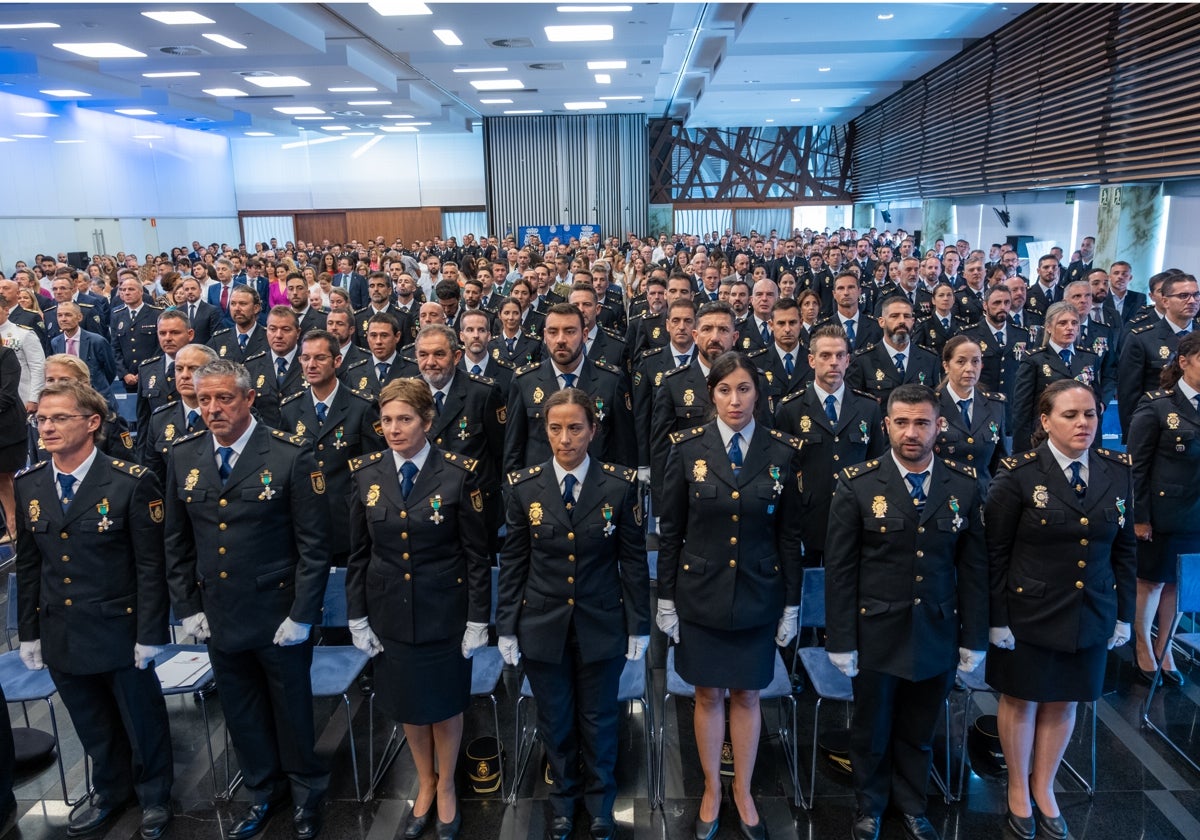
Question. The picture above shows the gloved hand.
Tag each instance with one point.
(197, 627)
(969, 660)
(31, 655)
(847, 663)
(667, 619)
(643, 475)
(474, 638)
(1120, 635)
(291, 633)
(510, 651)
(637, 647)
(143, 655)
(1002, 637)
(787, 626)
(364, 637)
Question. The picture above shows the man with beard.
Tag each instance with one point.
(1121, 305)
(247, 337)
(648, 330)
(379, 293)
(340, 324)
(156, 375)
(276, 373)
(861, 330)
(653, 366)
(1080, 269)
(879, 368)
(1003, 345)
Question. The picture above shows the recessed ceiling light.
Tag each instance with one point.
(314, 141)
(353, 89)
(225, 92)
(888, 16)
(178, 18)
(619, 98)
(603, 79)
(65, 142)
(223, 41)
(259, 134)
(397, 116)
(496, 101)
(295, 110)
(335, 128)
(37, 25)
(447, 37)
(824, 69)
(35, 114)
(103, 49)
(65, 92)
(147, 137)
(607, 65)
(416, 123)
(480, 69)
(497, 84)
(369, 102)
(7, 140)
(359, 134)
(585, 106)
(526, 111)
(176, 74)
(31, 136)
(276, 81)
(769, 120)
(314, 119)
(588, 32)
(593, 9)
(394, 8)
(136, 112)
(399, 129)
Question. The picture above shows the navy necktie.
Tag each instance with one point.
(477, 370)
(512, 345)
(1016, 319)
(831, 408)
(193, 417)
(568, 380)
(789, 364)
(1000, 339)
(766, 334)
(946, 323)
(735, 453)
(900, 363)
(408, 475)
(66, 482)
(1196, 400)
(281, 367)
(850, 331)
(242, 339)
(1065, 354)
(381, 370)
(439, 399)
(682, 359)
(916, 481)
(965, 407)
(568, 496)
(1077, 479)
(225, 468)
(322, 409)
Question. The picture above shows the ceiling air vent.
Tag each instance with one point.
(198, 120)
(510, 43)
(185, 51)
(545, 65)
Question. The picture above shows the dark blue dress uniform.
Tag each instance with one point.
(155, 388)
(729, 552)
(906, 589)
(931, 334)
(525, 440)
(350, 429)
(1103, 341)
(648, 375)
(1063, 572)
(968, 304)
(228, 345)
(363, 375)
(269, 389)
(1035, 373)
(134, 339)
(979, 444)
(249, 554)
(856, 436)
(526, 349)
(780, 383)
(91, 585)
(573, 587)
(419, 571)
(1144, 353)
(645, 332)
(998, 372)
(873, 371)
(1164, 445)
(168, 424)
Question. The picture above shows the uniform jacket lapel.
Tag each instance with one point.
(938, 493)
(452, 409)
(247, 464)
(428, 480)
(592, 492)
(90, 491)
(335, 412)
(754, 457)
(1057, 479)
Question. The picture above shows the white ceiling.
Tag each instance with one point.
(711, 64)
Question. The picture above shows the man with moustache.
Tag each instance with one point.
(1003, 345)
(247, 337)
(881, 367)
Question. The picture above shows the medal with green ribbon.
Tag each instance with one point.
(462, 429)
(1121, 512)
(864, 428)
(958, 520)
(599, 410)
(102, 509)
(778, 488)
(609, 528)
(267, 492)
(995, 430)
(436, 504)
(338, 434)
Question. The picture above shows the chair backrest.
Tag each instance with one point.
(11, 618)
(1188, 583)
(812, 599)
(334, 611)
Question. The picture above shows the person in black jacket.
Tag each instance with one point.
(14, 433)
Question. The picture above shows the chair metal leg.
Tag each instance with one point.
(62, 769)
(358, 797)
(499, 744)
(962, 750)
(212, 762)
(1088, 786)
(659, 753)
(524, 746)
(812, 770)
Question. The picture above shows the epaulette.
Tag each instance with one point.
(1039, 350)
(991, 396)
(861, 469)
(793, 442)
(517, 476)
(606, 366)
(294, 440)
(356, 463)
(150, 361)
(1120, 457)
(653, 351)
(1158, 395)
(166, 407)
(759, 352)
(133, 469)
(155, 308)
(675, 370)
(287, 400)
(795, 395)
(1019, 460)
(1142, 329)
(532, 366)
(624, 472)
(353, 365)
(192, 436)
(962, 468)
(478, 377)
(864, 394)
(362, 395)
(504, 363)
(467, 464)
(81, 304)
(862, 350)
(221, 331)
(122, 308)
(260, 354)
(31, 468)
(613, 334)
(686, 434)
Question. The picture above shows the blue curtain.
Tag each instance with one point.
(459, 225)
(764, 220)
(700, 222)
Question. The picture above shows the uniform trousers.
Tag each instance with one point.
(577, 712)
(121, 719)
(267, 696)
(891, 739)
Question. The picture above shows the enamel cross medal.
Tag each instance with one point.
(1121, 513)
(957, 520)
(267, 492)
(102, 509)
(436, 504)
(778, 488)
(609, 528)
(462, 429)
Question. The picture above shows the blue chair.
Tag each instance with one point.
(200, 684)
(1188, 593)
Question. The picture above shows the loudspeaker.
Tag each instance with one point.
(78, 259)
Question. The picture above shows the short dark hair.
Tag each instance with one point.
(384, 318)
(335, 346)
(913, 393)
(726, 364)
(565, 309)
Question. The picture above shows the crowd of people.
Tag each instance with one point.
(923, 424)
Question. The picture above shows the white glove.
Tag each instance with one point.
(643, 475)
(31, 655)
(1120, 635)
(637, 647)
(847, 663)
(197, 627)
(474, 638)
(510, 651)
(364, 637)
(969, 660)
(1002, 637)
(787, 626)
(291, 633)
(143, 655)
(667, 619)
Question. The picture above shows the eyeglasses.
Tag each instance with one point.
(57, 419)
(1185, 296)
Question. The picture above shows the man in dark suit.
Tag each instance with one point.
(648, 330)
(156, 375)
(337, 422)
(93, 605)
(1096, 337)
(861, 329)
(1120, 304)
(205, 318)
(474, 334)
(94, 317)
(894, 360)
(384, 364)
(354, 283)
(178, 418)
(308, 317)
(1003, 346)
(219, 292)
(783, 362)
(599, 344)
(134, 331)
(257, 491)
(379, 293)
(248, 335)
(968, 297)
(276, 373)
(89, 347)
(340, 324)
(906, 595)
(754, 332)
(1080, 269)
(1046, 290)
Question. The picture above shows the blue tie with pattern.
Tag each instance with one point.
(1077, 482)
(193, 417)
(66, 483)
(322, 409)
(831, 408)
(850, 331)
(408, 475)
(242, 339)
(477, 370)
(569, 483)
(900, 363)
(789, 364)
(225, 468)
(735, 453)
(1065, 354)
(965, 407)
(917, 482)
(281, 367)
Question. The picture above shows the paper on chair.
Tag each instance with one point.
(182, 669)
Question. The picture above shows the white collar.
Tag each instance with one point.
(418, 459)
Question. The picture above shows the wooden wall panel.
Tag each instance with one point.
(407, 223)
(317, 227)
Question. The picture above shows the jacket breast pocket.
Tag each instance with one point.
(278, 579)
(598, 532)
(259, 494)
(948, 525)
(1048, 517)
(118, 607)
(884, 525)
(197, 495)
(376, 514)
(693, 564)
(1026, 586)
(542, 532)
(704, 491)
(40, 526)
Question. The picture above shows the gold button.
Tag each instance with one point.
(67, 602)
(836, 458)
(571, 557)
(1079, 584)
(407, 576)
(460, 580)
(223, 502)
(404, 556)
(735, 517)
(735, 495)
(1043, 521)
(404, 514)
(570, 579)
(224, 575)
(863, 610)
(404, 535)
(1083, 521)
(571, 601)
(835, 440)
(221, 550)
(189, 498)
(321, 446)
(686, 567)
(320, 463)
(66, 580)
(921, 529)
(883, 529)
(920, 554)
(970, 457)
(1020, 589)
(916, 601)
(128, 610)
(222, 526)
(970, 440)
(282, 584)
(733, 540)
(570, 535)
(1083, 542)
(66, 559)
(732, 564)
(920, 578)
(1082, 564)
(63, 535)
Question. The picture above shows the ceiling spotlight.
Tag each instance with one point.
(136, 112)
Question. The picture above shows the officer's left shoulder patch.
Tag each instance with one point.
(1120, 457)
(465, 463)
(165, 407)
(962, 468)
(294, 440)
(686, 434)
(30, 468)
(754, 354)
(150, 361)
(606, 366)
(793, 442)
(358, 463)
(362, 395)
(481, 379)
(517, 476)
(287, 400)
(126, 467)
(192, 436)
(991, 396)
(624, 472)
(861, 469)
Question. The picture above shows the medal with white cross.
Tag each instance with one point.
(267, 492)
(102, 509)
(599, 410)
(778, 488)
(338, 434)
(995, 430)
(1120, 512)
(609, 528)
(462, 429)
(436, 504)
(957, 520)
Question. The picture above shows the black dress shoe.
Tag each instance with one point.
(1148, 677)
(758, 831)
(449, 831)
(1053, 827)
(8, 812)
(154, 821)
(707, 830)
(1175, 677)
(560, 828)
(253, 821)
(306, 823)
(1023, 828)
(919, 828)
(602, 828)
(416, 825)
(866, 827)
(93, 818)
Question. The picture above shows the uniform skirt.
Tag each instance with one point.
(739, 659)
(422, 684)
(1040, 675)
(1157, 559)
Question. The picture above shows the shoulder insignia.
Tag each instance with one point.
(1158, 395)
(31, 468)
(962, 468)
(355, 463)
(504, 363)
(1019, 460)
(1120, 457)
(166, 407)
(677, 370)
(1142, 329)
(150, 361)
(475, 377)
(861, 469)
(521, 371)
(288, 399)
(606, 366)
(761, 351)
(991, 396)
(863, 350)
(353, 365)
(294, 440)
(793, 442)
(686, 434)
(518, 476)
(467, 464)
(864, 394)
(260, 354)
(23, 327)
(795, 395)
(133, 469)
(222, 331)
(613, 334)
(362, 395)
(192, 436)
(654, 351)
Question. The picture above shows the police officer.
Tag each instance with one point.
(513, 343)
(599, 344)
(179, 417)
(652, 367)
(906, 602)
(156, 375)
(385, 362)
(277, 373)
(1002, 345)
(971, 427)
(134, 328)
(339, 423)
(379, 290)
(248, 542)
(248, 336)
(783, 362)
(648, 329)
(574, 601)
(893, 360)
(838, 427)
(474, 333)
(93, 605)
